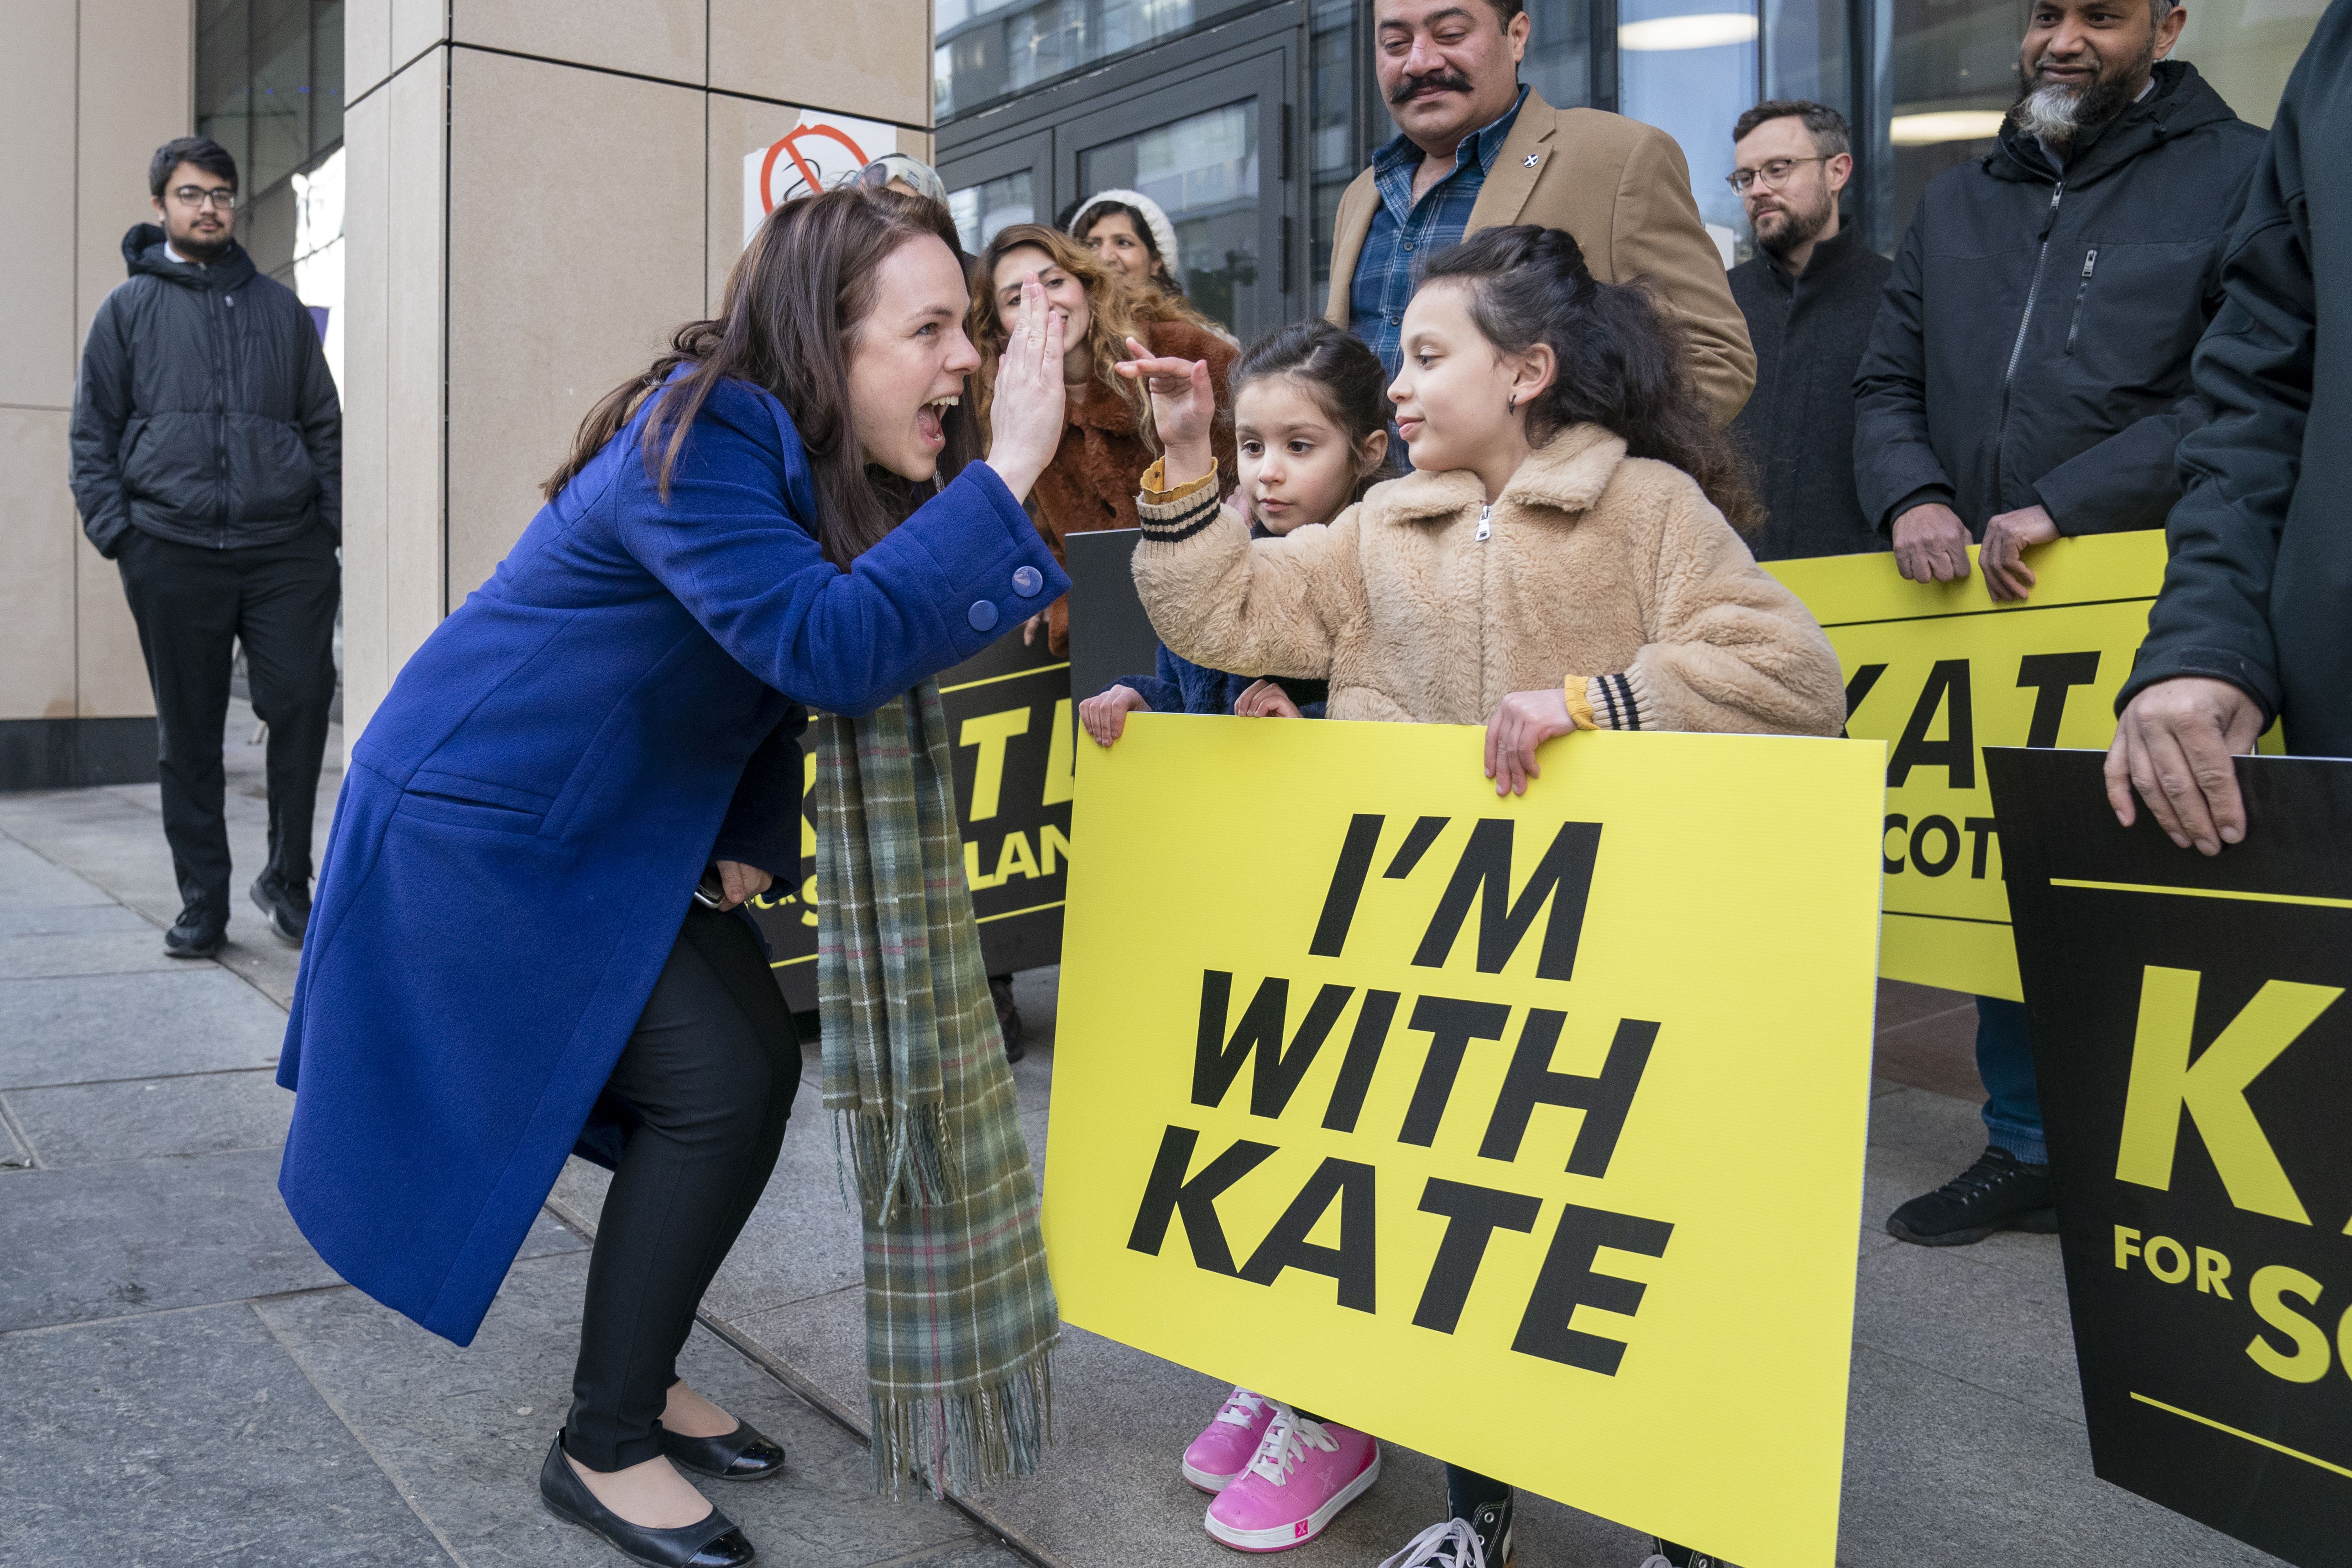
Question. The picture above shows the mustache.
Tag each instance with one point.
(1444, 81)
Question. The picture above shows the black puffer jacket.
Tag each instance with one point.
(2259, 589)
(204, 413)
(2033, 344)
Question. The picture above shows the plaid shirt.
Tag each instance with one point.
(1404, 233)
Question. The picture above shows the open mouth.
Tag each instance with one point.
(931, 419)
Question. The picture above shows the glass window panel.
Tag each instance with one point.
(1559, 62)
(1805, 52)
(1954, 64)
(988, 48)
(983, 212)
(326, 75)
(280, 96)
(2246, 47)
(1689, 67)
(1334, 154)
(223, 80)
(1203, 172)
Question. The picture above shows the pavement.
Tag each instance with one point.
(182, 1381)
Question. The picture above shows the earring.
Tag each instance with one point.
(1511, 405)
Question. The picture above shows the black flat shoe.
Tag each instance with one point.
(742, 1455)
(712, 1542)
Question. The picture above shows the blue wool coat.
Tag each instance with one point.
(523, 821)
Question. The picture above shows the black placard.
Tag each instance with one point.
(1111, 636)
(1008, 710)
(2194, 1051)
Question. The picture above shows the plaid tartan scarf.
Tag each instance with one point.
(959, 1315)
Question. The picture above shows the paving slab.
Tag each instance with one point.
(44, 954)
(183, 1437)
(464, 1432)
(198, 1017)
(60, 920)
(140, 1236)
(1943, 1474)
(1997, 1320)
(30, 881)
(205, 1113)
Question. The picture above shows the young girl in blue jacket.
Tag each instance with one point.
(1310, 424)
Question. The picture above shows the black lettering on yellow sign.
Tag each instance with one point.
(1278, 1056)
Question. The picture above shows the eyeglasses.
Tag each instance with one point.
(197, 196)
(1771, 176)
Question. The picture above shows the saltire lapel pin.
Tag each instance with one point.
(1533, 159)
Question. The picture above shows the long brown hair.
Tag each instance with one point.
(1117, 307)
(786, 324)
(1623, 365)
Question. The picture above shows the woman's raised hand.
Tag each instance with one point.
(1183, 405)
(1025, 414)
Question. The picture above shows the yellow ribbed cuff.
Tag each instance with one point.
(1153, 476)
(1579, 706)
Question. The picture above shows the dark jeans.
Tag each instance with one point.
(709, 1073)
(2012, 1112)
(191, 604)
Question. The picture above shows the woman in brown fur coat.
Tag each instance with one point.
(1107, 442)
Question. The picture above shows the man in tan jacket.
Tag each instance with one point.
(1474, 149)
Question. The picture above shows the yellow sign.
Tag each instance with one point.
(1939, 671)
(1526, 1132)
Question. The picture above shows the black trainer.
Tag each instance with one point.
(197, 935)
(1674, 1556)
(1492, 1522)
(1008, 1016)
(1999, 1192)
(286, 911)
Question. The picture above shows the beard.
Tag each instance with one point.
(2057, 113)
(1795, 226)
(203, 252)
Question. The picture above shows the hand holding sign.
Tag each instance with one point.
(2002, 556)
(2173, 744)
(1931, 545)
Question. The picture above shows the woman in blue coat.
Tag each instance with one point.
(509, 956)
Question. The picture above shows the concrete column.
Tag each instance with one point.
(540, 193)
(88, 89)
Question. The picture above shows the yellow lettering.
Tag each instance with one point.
(990, 731)
(2212, 1269)
(2127, 1245)
(1014, 858)
(1062, 762)
(2171, 1273)
(808, 902)
(1049, 838)
(980, 884)
(2214, 1092)
(2309, 1362)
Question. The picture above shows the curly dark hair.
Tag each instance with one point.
(1623, 365)
(1343, 377)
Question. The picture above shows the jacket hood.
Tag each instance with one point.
(2183, 102)
(142, 251)
(1567, 474)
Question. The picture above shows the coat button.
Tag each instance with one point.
(1027, 581)
(982, 616)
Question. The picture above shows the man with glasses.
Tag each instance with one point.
(207, 465)
(2028, 376)
(1810, 295)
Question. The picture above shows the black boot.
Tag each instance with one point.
(285, 909)
(1999, 1192)
(1008, 1016)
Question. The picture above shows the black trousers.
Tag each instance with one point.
(191, 604)
(709, 1073)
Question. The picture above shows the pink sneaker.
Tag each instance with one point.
(1222, 1452)
(1303, 1474)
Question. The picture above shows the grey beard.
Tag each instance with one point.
(2051, 113)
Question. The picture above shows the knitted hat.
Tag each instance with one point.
(1163, 232)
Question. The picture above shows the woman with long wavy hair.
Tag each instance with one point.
(1106, 440)
(530, 938)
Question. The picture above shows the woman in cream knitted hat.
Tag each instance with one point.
(1129, 231)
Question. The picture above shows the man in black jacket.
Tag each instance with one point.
(207, 465)
(1810, 295)
(2255, 619)
(2028, 377)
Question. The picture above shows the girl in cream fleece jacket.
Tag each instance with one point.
(1561, 557)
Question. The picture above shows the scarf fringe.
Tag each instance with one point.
(904, 1158)
(956, 1445)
